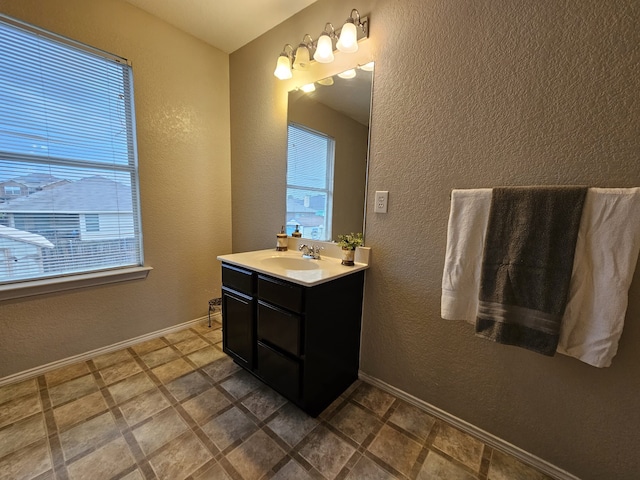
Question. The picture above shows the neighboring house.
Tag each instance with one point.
(94, 208)
(89, 222)
(21, 254)
(28, 184)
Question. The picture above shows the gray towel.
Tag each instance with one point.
(527, 265)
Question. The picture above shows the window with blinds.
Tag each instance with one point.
(69, 200)
(310, 158)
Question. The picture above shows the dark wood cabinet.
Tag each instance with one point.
(302, 341)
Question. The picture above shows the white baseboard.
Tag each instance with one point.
(485, 437)
(37, 371)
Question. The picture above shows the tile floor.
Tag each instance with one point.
(177, 407)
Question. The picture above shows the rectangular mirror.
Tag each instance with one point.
(327, 155)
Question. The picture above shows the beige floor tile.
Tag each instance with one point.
(16, 390)
(202, 407)
(459, 445)
(241, 384)
(79, 410)
(131, 387)
(22, 433)
(263, 402)
(229, 427)
(119, 371)
(214, 336)
(149, 346)
(436, 467)
(214, 473)
(505, 467)
(221, 369)
(395, 449)
(172, 370)
(356, 422)
(159, 430)
(76, 388)
(143, 406)
(19, 408)
(413, 420)
(103, 463)
(135, 475)
(28, 462)
(292, 471)
(292, 424)
(191, 345)
(67, 373)
(112, 358)
(181, 458)
(369, 470)
(160, 356)
(180, 336)
(203, 327)
(206, 355)
(373, 398)
(325, 451)
(256, 456)
(88, 435)
(189, 385)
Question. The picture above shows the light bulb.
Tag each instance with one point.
(324, 50)
(283, 68)
(302, 58)
(347, 74)
(348, 41)
(309, 87)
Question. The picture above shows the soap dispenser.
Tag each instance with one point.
(297, 233)
(281, 246)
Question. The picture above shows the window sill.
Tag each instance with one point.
(60, 284)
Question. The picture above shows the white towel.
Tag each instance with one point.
(603, 267)
(604, 262)
(468, 221)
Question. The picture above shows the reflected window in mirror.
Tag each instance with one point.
(310, 160)
(340, 109)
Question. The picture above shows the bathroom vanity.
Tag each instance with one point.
(293, 323)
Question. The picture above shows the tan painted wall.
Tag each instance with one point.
(469, 94)
(182, 109)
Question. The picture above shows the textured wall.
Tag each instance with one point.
(470, 94)
(182, 109)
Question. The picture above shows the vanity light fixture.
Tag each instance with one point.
(321, 50)
(283, 67)
(367, 67)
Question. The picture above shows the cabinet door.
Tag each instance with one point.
(238, 337)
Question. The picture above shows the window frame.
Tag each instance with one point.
(329, 178)
(91, 276)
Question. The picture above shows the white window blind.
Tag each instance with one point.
(310, 158)
(68, 156)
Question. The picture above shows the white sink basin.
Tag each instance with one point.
(292, 267)
(290, 263)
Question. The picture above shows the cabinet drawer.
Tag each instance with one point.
(282, 294)
(279, 328)
(237, 278)
(281, 372)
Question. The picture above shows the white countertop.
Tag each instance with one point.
(315, 272)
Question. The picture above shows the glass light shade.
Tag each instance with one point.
(325, 81)
(309, 87)
(302, 58)
(348, 41)
(347, 74)
(367, 67)
(324, 50)
(283, 68)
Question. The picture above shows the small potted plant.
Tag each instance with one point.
(348, 242)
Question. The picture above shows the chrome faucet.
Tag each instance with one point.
(310, 251)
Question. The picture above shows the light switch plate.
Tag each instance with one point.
(382, 200)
